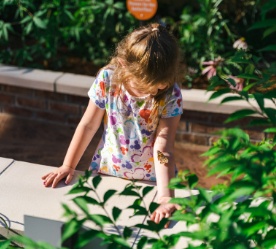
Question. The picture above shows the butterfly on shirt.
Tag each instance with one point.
(162, 158)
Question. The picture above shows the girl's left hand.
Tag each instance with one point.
(164, 210)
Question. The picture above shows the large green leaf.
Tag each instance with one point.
(231, 98)
(4, 244)
(40, 23)
(268, 48)
(100, 220)
(146, 190)
(79, 189)
(184, 217)
(248, 76)
(86, 237)
(142, 242)
(239, 115)
(263, 24)
(108, 194)
(116, 213)
(219, 93)
(96, 181)
(260, 99)
(70, 228)
(271, 113)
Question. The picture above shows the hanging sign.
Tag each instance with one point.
(142, 9)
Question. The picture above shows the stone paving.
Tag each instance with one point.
(46, 144)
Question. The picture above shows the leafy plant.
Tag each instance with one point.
(44, 33)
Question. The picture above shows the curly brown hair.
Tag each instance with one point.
(150, 55)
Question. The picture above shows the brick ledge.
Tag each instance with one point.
(75, 84)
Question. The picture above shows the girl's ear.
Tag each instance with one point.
(121, 61)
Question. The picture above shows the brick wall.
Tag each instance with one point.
(195, 126)
(42, 105)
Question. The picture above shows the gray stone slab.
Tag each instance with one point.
(74, 84)
(5, 163)
(196, 99)
(28, 77)
(23, 193)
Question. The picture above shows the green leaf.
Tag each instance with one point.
(271, 113)
(70, 228)
(231, 98)
(153, 206)
(271, 94)
(240, 114)
(108, 194)
(67, 210)
(100, 219)
(96, 181)
(138, 210)
(219, 93)
(142, 242)
(121, 241)
(269, 31)
(181, 201)
(270, 239)
(184, 217)
(263, 24)
(268, 48)
(192, 180)
(128, 191)
(248, 76)
(127, 232)
(254, 228)
(81, 203)
(116, 213)
(221, 166)
(259, 122)
(119, 5)
(205, 194)
(4, 244)
(260, 99)
(272, 130)
(84, 238)
(235, 193)
(146, 190)
(39, 23)
(78, 189)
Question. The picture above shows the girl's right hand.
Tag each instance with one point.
(60, 173)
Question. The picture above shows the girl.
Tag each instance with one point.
(141, 104)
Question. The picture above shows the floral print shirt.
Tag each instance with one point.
(126, 147)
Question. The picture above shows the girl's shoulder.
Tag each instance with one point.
(175, 91)
(105, 73)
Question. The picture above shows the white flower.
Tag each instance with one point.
(240, 44)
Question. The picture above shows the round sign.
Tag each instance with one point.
(142, 9)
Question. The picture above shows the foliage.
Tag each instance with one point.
(45, 33)
(238, 215)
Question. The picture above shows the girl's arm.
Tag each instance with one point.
(84, 133)
(165, 138)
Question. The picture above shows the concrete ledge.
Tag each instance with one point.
(198, 100)
(79, 85)
(74, 84)
(24, 200)
(46, 80)
(29, 78)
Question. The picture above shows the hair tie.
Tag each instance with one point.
(154, 29)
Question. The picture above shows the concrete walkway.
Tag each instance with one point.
(28, 207)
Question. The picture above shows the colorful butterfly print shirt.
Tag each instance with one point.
(126, 147)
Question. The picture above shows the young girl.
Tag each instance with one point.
(141, 104)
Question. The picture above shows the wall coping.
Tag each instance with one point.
(76, 84)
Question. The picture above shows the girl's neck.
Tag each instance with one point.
(133, 91)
